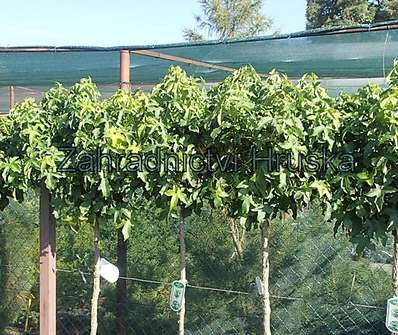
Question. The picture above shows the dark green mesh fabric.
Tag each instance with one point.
(328, 53)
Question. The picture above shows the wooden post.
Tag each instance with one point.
(47, 266)
(395, 267)
(125, 69)
(121, 286)
(12, 96)
(181, 322)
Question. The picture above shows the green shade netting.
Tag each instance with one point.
(342, 57)
(351, 55)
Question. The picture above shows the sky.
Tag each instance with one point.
(118, 22)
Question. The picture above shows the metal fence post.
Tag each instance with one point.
(12, 96)
(121, 287)
(125, 69)
(47, 266)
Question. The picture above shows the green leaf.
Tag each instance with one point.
(374, 192)
(174, 202)
(126, 229)
(322, 189)
(246, 203)
(104, 186)
(182, 197)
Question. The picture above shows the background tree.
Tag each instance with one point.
(228, 19)
(321, 13)
(386, 10)
(325, 13)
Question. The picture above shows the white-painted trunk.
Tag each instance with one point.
(266, 324)
(181, 322)
(395, 267)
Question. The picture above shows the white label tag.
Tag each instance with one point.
(392, 315)
(177, 295)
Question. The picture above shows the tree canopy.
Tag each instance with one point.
(366, 202)
(326, 13)
(254, 148)
(223, 19)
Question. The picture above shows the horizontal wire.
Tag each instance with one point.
(25, 88)
(218, 289)
(145, 280)
(279, 297)
(150, 281)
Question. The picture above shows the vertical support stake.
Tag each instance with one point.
(47, 266)
(121, 286)
(266, 322)
(125, 69)
(183, 276)
(12, 96)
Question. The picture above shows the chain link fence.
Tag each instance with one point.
(19, 268)
(19, 93)
(318, 284)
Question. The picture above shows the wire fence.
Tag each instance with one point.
(19, 268)
(318, 284)
(22, 92)
(333, 85)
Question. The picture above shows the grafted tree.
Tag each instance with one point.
(252, 187)
(365, 202)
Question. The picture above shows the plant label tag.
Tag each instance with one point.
(109, 271)
(177, 295)
(392, 315)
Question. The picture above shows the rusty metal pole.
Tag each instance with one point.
(125, 69)
(47, 266)
(121, 286)
(12, 96)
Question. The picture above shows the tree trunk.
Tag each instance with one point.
(266, 326)
(285, 216)
(395, 267)
(121, 286)
(236, 238)
(183, 273)
(96, 284)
